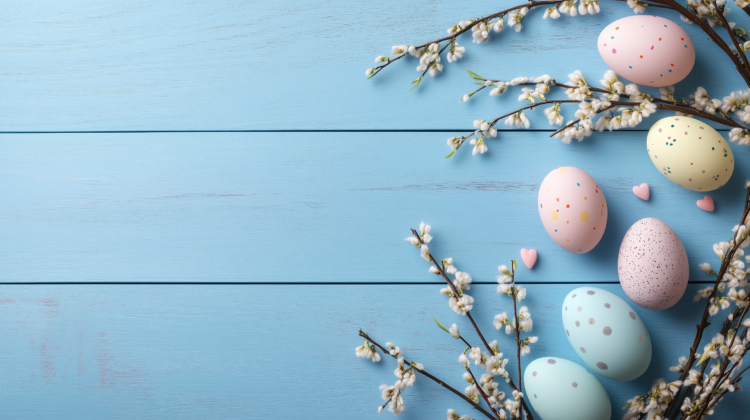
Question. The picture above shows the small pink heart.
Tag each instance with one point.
(706, 204)
(529, 257)
(642, 192)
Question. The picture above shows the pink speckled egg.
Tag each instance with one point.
(573, 209)
(652, 265)
(648, 50)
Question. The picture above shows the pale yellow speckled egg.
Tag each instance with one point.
(690, 153)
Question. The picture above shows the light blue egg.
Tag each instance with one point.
(559, 389)
(606, 333)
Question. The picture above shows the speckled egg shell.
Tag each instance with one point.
(606, 333)
(573, 209)
(558, 388)
(648, 50)
(653, 266)
(690, 153)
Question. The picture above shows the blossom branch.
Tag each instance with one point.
(725, 24)
(515, 314)
(481, 392)
(704, 319)
(425, 373)
(455, 291)
(710, 32)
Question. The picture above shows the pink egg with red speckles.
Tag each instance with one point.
(573, 209)
(648, 50)
(652, 265)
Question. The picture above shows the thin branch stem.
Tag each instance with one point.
(704, 319)
(425, 373)
(468, 315)
(726, 26)
(710, 32)
(515, 314)
(530, 5)
(481, 392)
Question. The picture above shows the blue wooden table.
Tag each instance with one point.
(202, 202)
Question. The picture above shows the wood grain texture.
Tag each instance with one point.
(316, 207)
(238, 352)
(187, 65)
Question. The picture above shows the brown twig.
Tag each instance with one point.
(468, 315)
(704, 319)
(726, 359)
(425, 373)
(710, 32)
(487, 18)
(481, 392)
(726, 26)
(515, 314)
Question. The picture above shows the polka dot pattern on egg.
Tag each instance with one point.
(607, 334)
(648, 50)
(690, 153)
(573, 209)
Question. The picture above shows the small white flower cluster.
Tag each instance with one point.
(706, 11)
(653, 405)
(589, 107)
(405, 375)
(429, 60)
(495, 367)
(734, 281)
(522, 321)
(368, 351)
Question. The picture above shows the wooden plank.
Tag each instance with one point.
(178, 64)
(237, 352)
(318, 207)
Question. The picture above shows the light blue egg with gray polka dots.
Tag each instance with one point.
(606, 333)
(559, 389)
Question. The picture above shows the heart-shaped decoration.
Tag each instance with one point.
(529, 257)
(707, 203)
(643, 191)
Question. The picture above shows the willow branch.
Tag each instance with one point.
(515, 314)
(468, 315)
(530, 5)
(704, 319)
(726, 361)
(710, 32)
(425, 373)
(481, 391)
(737, 46)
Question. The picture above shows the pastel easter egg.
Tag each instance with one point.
(652, 265)
(573, 209)
(558, 388)
(690, 153)
(606, 333)
(648, 50)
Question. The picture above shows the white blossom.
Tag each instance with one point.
(568, 7)
(637, 6)
(551, 12)
(368, 351)
(515, 17)
(518, 119)
(455, 52)
(553, 114)
(590, 7)
(580, 91)
(454, 331)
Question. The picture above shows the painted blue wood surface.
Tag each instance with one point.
(296, 207)
(181, 64)
(318, 207)
(239, 352)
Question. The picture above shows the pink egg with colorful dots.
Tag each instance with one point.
(647, 50)
(573, 209)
